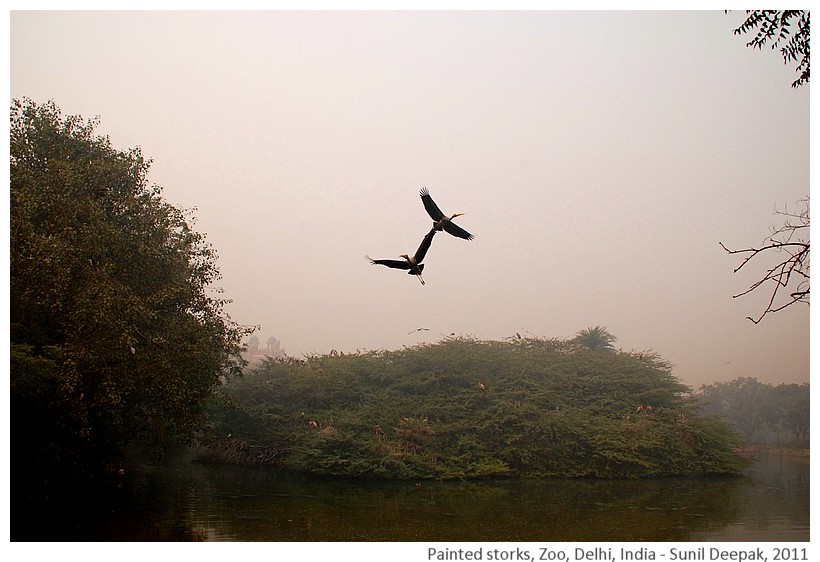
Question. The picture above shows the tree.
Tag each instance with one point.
(791, 241)
(740, 402)
(793, 406)
(596, 339)
(774, 26)
(117, 332)
(751, 406)
(794, 42)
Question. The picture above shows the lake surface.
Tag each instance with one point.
(182, 500)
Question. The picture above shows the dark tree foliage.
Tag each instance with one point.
(788, 30)
(116, 335)
(464, 408)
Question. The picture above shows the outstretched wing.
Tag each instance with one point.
(425, 245)
(436, 214)
(456, 230)
(395, 264)
(430, 205)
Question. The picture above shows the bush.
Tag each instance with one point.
(463, 408)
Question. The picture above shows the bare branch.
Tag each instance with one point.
(794, 268)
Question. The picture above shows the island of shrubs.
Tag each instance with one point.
(464, 408)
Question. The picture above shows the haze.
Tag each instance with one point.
(599, 158)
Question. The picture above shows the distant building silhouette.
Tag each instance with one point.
(273, 345)
(254, 353)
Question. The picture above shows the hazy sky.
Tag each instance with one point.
(599, 157)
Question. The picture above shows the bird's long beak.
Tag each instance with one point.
(457, 215)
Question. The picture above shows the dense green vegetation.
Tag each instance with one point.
(463, 408)
(117, 336)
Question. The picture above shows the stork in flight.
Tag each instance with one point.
(440, 220)
(411, 263)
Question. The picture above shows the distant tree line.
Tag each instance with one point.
(762, 413)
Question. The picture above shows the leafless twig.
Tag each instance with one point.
(787, 238)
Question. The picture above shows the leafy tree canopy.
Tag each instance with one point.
(464, 408)
(116, 333)
(788, 30)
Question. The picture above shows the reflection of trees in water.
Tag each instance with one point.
(299, 508)
(573, 510)
(194, 502)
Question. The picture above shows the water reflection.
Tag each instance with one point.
(188, 501)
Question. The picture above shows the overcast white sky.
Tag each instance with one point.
(599, 157)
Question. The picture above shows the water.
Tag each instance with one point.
(182, 500)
